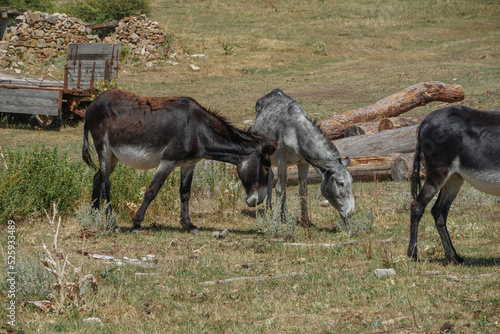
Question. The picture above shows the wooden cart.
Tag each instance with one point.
(50, 101)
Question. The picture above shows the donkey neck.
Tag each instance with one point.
(315, 147)
(228, 147)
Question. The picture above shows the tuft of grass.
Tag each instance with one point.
(275, 224)
(96, 221)
(320, 48)
(358, 223)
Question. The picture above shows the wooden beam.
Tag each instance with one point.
(29, 101)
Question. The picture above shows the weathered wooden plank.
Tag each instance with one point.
(85, 72)
(29, 101)
(93, 51)
(6, 79)
(89, 64)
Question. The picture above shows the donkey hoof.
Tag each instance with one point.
(457, 260)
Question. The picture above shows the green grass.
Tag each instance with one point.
(374, 49)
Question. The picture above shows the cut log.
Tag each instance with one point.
(399, 122)
(397, 167)
(394, 105)
(361, 128)
(402, 140)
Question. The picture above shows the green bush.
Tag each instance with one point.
(24, 5)
(38, 177)
(98, 11)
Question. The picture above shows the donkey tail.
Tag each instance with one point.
(415, 176)
(85, 149)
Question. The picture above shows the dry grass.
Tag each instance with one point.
(374, 49)
(336, 290)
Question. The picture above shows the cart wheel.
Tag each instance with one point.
(44, 121)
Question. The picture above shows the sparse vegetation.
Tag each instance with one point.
(321, 48)
(375, 48)
(274, 225)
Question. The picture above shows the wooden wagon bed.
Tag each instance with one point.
(85, 64)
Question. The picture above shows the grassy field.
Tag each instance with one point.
(331, 56)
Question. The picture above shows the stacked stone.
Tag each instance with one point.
(144, 38)
(41, 35)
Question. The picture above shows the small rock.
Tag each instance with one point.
(93, 320)
(173, 63)
(194, 67)
(220, 235)
(385, 272)
(324, 203)
(248, 122)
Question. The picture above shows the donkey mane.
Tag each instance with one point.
(315, 123)
(245, 138)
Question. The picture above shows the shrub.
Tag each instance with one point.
(97, 11)
(356, 224)
(96, 221)
(274, 224)
(36, 178)
(24, 5)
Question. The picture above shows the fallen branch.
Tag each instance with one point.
(299, 244)
(257, 278)
(144, 262)
(394, 105)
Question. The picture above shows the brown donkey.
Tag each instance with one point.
(149, 132)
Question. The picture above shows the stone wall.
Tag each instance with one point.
(40, 36)
(145, 39)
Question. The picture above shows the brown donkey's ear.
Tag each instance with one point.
(269, 149)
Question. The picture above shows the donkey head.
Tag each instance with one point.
(253, 171)
(336, 186)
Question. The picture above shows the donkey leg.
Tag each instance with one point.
(163, 171)
(96, 190)
(270, 184)
(106, 168)
(417, 210)
(185, 192)
(440, 213)
(303, 169)
(281, 186)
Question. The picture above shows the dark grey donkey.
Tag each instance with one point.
(301, 142)
(458, 143)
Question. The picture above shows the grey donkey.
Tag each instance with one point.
(301, 142)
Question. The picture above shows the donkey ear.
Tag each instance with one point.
(269, 149)
(346, 162)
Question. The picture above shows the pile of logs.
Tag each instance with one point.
(380, 144)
